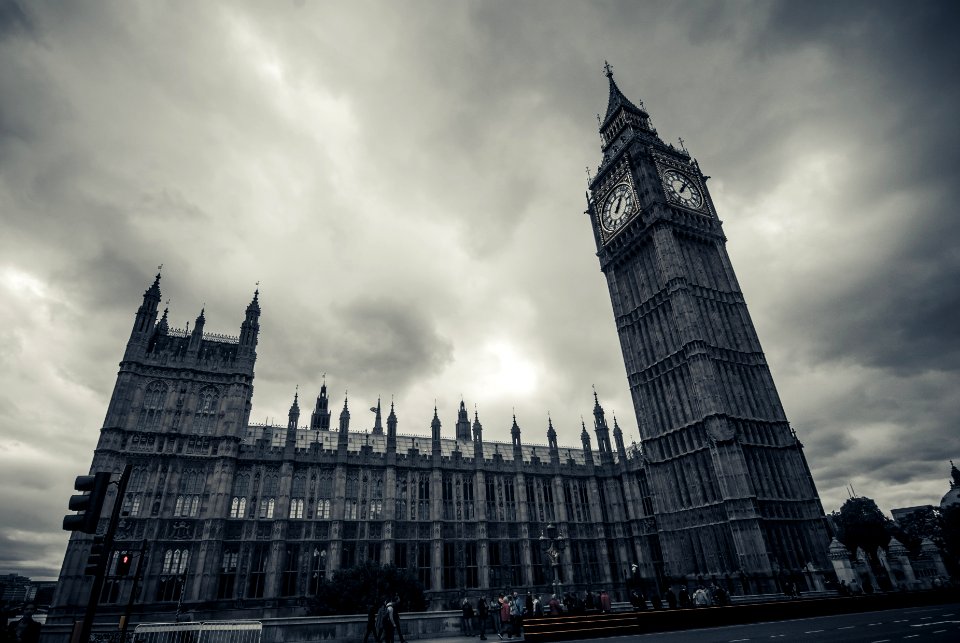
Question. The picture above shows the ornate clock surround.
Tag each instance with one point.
(619, 178)
(665, 165)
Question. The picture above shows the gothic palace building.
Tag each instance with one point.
(235, 515)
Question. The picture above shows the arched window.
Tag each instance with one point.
(266, 507)
(323, 509)
(205, 419)
(238, 507)
(296, 508)
(175, 561)
(151, 411)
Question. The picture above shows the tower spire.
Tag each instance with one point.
(377, 422)
(622, 114)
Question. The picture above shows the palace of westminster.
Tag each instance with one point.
(240, 516)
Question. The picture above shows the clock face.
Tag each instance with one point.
(681, 189)
(617, 208)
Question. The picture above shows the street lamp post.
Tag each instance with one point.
(552, 544)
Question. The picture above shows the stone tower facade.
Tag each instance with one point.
(731, 488)
(232, 519)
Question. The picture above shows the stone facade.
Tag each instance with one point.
(732, 489)
(234, 515)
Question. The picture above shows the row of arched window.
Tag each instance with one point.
(152, 409)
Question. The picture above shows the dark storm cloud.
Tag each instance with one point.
(902, 318)
(13, 18)
(388, 343)
(407, 184)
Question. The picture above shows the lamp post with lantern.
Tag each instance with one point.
(552, 543)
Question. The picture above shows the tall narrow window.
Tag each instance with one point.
(267, 506)
(401, 495)
(238, 507)
(151, 411)
(449, 566)
(447, 500)
(173, 574)
(205, 419)
(226, 582)
(258, 571)
(469, 512)
(288, 580)
(423, 497)
(424, 573)
(241, 489)
(192, 485)
(323, 509)
(296, 508)
(473, 577)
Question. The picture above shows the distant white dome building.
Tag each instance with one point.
(953, 496)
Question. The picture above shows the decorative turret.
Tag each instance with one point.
(896, 548)
(477, 438)
(146, 317)
(552, 441)
(435, 435)
(163, 325)
(377, 424)
(838, 551)
(463, 424)
(196, 337)
(344, 428)
(320, 418)
(392, 426)
(618, 439)
(585, 438)
(515, 432)
(250, 328)
(517, 445)
(551, 434)
(602, 431)
(435, 425)
(293, 417)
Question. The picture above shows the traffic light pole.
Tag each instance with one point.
(137, 577)
(91, 611)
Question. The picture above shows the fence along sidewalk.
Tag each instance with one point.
(212, 632)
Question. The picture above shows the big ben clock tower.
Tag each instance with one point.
(732, 490)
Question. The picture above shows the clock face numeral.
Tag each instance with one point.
(681, 189)
(617, 208)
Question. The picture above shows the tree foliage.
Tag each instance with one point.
(860, 523)
(951, 531)
(353, 590)
(924, 522)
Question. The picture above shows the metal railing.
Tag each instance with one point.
(212, 632)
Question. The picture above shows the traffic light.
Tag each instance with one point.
(87, 504)
(123, 563)
(97, 551)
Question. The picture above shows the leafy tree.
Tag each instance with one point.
(860, 523)
(925, 522)
(353, 590)
(951, 532)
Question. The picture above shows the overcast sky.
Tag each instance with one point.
(406, 182)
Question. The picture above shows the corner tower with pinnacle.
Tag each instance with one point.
(731, 486)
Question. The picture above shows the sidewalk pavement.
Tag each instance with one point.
(491, 636)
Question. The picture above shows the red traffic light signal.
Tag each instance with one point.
(124, 560)
(89, 504)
